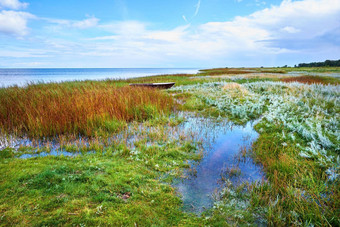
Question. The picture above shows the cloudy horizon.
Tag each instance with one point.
(197, 33)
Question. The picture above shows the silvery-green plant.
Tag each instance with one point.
(310, 111)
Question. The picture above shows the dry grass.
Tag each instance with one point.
(225, 71)
(311, 80)
(236, 71)
(235, 89)
(54, 109)
(159, 78)
(252, 76)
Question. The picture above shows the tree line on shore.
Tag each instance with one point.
(327, 63)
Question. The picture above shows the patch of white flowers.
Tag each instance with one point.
(310, 111)
(232, 203)
(135, 154)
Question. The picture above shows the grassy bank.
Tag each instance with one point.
(132, 149)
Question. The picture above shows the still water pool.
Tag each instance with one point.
(225, 147)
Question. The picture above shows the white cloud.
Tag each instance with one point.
(298, 20)
(293, 28)
(30, 53)
(79, 24)
(265, 33)
(13, 4)
(290, 29)
(109, 37)
(14, 23)
(87, 23)
(125, 28)
(175, 35)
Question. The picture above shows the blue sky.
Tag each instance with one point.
(169, 33)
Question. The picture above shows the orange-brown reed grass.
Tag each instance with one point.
(235, 71)
(311, 80)
(224, 71)
(46, 110)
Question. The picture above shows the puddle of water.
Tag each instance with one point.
(134, 133)
(37, 148)
(222, 143)
(52, 153)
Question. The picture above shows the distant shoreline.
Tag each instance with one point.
(21, 76)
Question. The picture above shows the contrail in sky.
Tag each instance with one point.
(198, 5)
(185, 19)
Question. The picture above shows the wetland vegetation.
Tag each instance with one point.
(89, 153)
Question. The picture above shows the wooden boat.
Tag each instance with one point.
(156, 85)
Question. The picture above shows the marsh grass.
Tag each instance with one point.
(125, 182)
(236, 71)
(312, 69)
(154, 130)
(312, 80)
(298, 148)
(54, 109)
(223, 71)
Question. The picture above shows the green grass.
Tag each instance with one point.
(298, 185)
(281, 70)
(296, 119)
(123, 170)
(119, 187)
(313, 69)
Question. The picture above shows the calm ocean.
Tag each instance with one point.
(21, 77)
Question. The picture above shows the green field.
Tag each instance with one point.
(90, 153)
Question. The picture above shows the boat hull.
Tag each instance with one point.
(155, 85)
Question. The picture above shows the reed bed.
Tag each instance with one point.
(46, 110)
(224, 71)
(236, 71)
(125, 179)
(311, 80)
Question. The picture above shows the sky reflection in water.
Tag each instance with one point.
(221, 143)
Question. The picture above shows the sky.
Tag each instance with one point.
(167, 33)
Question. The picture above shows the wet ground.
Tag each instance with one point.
(53, 153)
(225, 157)
(225, 154)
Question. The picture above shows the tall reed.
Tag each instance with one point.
(307, 79)
(45, 110)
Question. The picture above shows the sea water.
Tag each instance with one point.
(20, 77)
